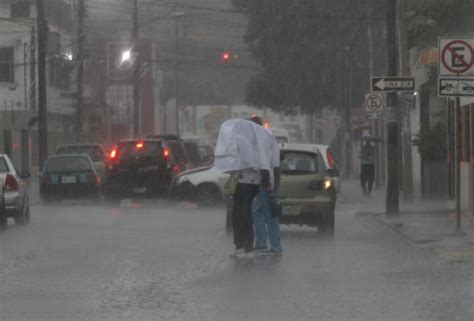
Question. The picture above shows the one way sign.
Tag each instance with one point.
(384, 84)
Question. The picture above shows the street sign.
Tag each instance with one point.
(459, 87)
(456, 57)
(374, 105)
(387, 84)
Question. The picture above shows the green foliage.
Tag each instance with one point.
(430, 19)
(300, 45)
(431, 143)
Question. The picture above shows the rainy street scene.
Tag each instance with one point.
(231, 160)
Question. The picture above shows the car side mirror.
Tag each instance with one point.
(333, 172)
(25, 174)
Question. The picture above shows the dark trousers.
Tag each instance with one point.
(242, 215)
(367, 176)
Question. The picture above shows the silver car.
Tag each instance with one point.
(15, 193)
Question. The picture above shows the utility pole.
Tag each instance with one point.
(407, 172)
(176, 71)
(348, 115)
(393, 127)
(136, 73)
(80, 71)
(42, 26)
(33, 69)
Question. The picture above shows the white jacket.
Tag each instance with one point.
(242, 144)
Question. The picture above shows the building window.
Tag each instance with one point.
(20, 9)
(60, 73)
(7, 62)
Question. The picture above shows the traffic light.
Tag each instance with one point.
(226, 57)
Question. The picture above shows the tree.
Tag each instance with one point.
(430, 19)
(301, 48)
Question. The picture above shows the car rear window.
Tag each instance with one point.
(193, 152)
(68, 164)
(3, 165)
(94, 152)
(133, 149)
(298, 163)
(177, 152)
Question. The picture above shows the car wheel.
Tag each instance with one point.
(327, 225)
(208, 195)
(23, 218)
(3, 223)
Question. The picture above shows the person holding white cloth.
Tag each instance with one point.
(244, 149)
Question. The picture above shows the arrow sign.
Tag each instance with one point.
(384, 84)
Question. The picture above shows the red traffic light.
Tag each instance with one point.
(225, 56)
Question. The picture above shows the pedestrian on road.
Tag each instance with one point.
(244, 150)
(367, 166)
(265, 208)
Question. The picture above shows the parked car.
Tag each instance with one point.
(95, 151)
(69, 177)
(178, 155)
(15, 199)
(307, 193)
(203, 185)
(139, 167)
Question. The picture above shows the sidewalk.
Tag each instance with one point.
(427, 223)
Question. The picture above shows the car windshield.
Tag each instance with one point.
(298, 163)
(68, 164)
(94, 152)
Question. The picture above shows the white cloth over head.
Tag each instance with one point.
(242, 144)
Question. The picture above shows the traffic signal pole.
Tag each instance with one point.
(393, 127)
(80, 71)
(42, 27)
(136, 73)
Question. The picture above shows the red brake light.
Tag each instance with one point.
(10, 183)
(331, 160)
(113, 154)
(166, 153)
(139, 145)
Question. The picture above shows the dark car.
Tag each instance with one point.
(69, 177)
(139, 167)
(95, 151)
(177, 152)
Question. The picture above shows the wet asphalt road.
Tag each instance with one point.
(157, 261)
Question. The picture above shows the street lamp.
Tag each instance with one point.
(126, 56)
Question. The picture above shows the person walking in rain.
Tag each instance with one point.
(367, 166)
(264, 212)
(244, 150)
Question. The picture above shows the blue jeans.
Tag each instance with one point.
(266, 225)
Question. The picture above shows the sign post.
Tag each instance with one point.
(374, 106)
(456, 79)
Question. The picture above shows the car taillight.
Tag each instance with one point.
(10, 183)
(93, 179)
(331, 160)
(176, 169)
(114, 154)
